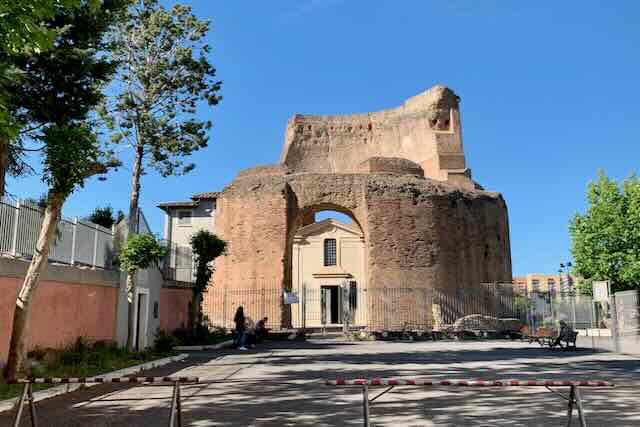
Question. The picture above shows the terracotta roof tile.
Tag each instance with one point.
(206, 196)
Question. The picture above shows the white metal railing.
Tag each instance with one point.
(178, 264)
(75, 241)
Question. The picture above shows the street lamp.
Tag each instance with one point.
(569, 288)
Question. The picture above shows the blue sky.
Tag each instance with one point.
(549, 95)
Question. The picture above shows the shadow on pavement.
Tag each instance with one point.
(281, 384)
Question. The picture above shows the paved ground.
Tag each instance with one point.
(255, 394)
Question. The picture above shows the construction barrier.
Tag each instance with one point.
(176, 405)
(572, 399)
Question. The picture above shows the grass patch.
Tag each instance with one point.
(80, 360)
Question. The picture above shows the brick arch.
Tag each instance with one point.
(419, 233)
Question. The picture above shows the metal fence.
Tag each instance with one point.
(221, 305)
(178, 264)
(613, 325)
(75, 241)
(495, 300)
(341, 306)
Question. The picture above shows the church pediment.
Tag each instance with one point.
(327, 226)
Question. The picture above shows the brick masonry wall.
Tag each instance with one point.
(419, 233)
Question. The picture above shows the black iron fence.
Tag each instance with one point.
(612, 324)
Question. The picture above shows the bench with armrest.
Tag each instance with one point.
(569, 339)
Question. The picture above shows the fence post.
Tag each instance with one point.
(573, 308)
(224, 308)
(73, 241)
(14, 239)
(594, 324)
(303, 302)
(95, 245)
(614, 322)
(344, 289)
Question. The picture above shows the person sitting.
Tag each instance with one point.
(261, 330)
(565, 332)
(255, 333)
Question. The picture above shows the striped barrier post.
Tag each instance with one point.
(176, 405)
(573, 399)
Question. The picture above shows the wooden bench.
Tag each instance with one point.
(543, 336)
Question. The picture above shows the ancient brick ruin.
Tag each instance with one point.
(400, 174)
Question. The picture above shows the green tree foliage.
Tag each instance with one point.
(165, 73)
(24, 30)
(206, 247)
(139, 252)
(606, 239)
(104, 217)
(22, 24)
(61, 87)
(58, 91)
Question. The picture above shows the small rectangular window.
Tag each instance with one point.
(184, 217)
(330, 252)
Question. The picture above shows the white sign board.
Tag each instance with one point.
(290, 298)
(601, 291)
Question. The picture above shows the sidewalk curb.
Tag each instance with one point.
(218, 346)
(9, 404)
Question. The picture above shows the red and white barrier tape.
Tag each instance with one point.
(469, 383)
(97, 380)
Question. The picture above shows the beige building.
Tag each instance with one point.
(182, 220)
(536, 282)
(328, 267)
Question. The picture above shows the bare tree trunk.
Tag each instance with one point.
(131, 284)
(21, 317)
(4, 164)
(135, 191)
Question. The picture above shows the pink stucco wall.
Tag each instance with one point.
(61, 313)
(174, 308)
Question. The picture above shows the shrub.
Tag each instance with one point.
(37, 353)
(164, 342)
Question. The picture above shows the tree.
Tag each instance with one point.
(606, 239)
(206, 247)
(59, 90)
(22, 28)
(22, 31)
(164, 74)
(139, 252)
(104, 217)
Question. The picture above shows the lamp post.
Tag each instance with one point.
(570, 290)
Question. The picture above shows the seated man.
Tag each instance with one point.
(565, 333)
(261, 330)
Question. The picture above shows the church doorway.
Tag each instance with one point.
(331, 305)
(328, 271)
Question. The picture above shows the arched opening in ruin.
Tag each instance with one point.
(328, 268)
